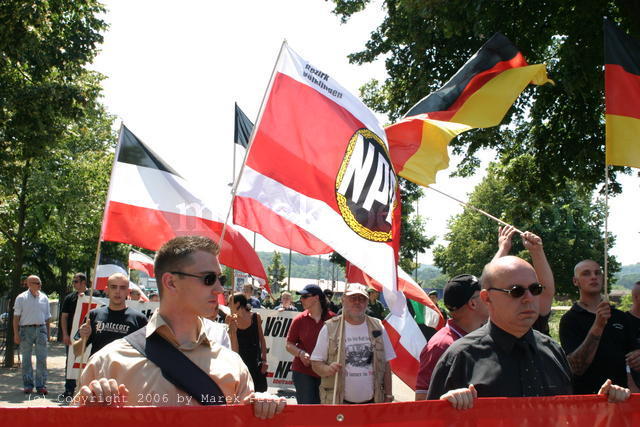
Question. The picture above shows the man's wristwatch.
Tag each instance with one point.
(388, 396)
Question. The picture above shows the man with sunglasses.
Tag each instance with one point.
(467, 313)
(598, 339)
(533, 244)
(506, 357)
(189, 281)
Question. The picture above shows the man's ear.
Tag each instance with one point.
(168, 282)
(484, 296)
(575, 281)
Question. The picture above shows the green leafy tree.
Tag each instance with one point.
(424, 42)
(276, 272)
(570, 225)
(45, 93)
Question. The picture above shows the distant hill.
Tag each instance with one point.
(429, 276)
(628, 275)
(307, 266)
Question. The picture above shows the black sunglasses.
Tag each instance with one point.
(516, 291)
(208, 279)
(305, 296)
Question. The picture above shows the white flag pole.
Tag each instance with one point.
(253, 133)
(606, 230)
(467, 205)
(97, 260)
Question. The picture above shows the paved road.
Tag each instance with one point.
(11, 384)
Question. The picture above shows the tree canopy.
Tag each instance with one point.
(569, 224)
(423, 43)
(55, 138)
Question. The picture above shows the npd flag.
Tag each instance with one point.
(318, 175)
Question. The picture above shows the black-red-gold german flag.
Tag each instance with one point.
(622, 96)
(477, 96)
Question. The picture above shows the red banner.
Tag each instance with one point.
(540, 411)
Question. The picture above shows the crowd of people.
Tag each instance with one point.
(193, 350)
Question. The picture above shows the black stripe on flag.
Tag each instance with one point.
(621, 49)
(133, 151)
(243, 128)
(497, 49)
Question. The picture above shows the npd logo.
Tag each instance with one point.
(366, 187)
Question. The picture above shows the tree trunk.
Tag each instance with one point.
(18, 247)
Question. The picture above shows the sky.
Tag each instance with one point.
(174, 70)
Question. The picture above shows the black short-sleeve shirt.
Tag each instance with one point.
(109, 325)
(500, 365)
(634, 322)
(609, 362)
(69, 306)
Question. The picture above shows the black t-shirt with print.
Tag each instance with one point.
(109, 325)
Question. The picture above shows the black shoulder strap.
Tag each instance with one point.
(177, 368)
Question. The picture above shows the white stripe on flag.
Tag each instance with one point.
(158, 190)
(318, 218)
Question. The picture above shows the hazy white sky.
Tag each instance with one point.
(175, 68)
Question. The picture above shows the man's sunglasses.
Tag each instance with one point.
(305, 296)
(208, 279)
(517, 291)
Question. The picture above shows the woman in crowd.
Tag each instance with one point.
(247, 339)
(301, 341)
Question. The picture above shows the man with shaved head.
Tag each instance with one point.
(506, 357)
(31, 327)
(597, 338)
(109, 323)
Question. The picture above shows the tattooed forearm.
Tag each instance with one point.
(582, 357)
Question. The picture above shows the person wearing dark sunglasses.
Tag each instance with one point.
(201, 371)
(506, 357)
(533, 244)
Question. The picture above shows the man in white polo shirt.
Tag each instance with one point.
(31, 326)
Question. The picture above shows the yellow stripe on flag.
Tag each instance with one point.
(488, 105)
(432, 155)
(623, 141)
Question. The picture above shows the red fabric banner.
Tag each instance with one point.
(540, 411)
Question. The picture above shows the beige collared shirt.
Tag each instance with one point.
(144, 380)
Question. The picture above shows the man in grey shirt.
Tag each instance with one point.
(31, 327)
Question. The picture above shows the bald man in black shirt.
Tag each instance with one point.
(506, 358)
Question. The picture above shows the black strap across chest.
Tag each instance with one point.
(177, 368)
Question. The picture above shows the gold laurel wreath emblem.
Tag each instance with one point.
(347, 215)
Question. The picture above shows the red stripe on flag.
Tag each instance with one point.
(101, 283)
(406, 138)
(293, 142)
(405, 366)
(150, 229)
(141, 266)
(476, 83)
(255, 216)
(622, 91)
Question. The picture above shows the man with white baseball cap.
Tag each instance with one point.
(355, 347)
